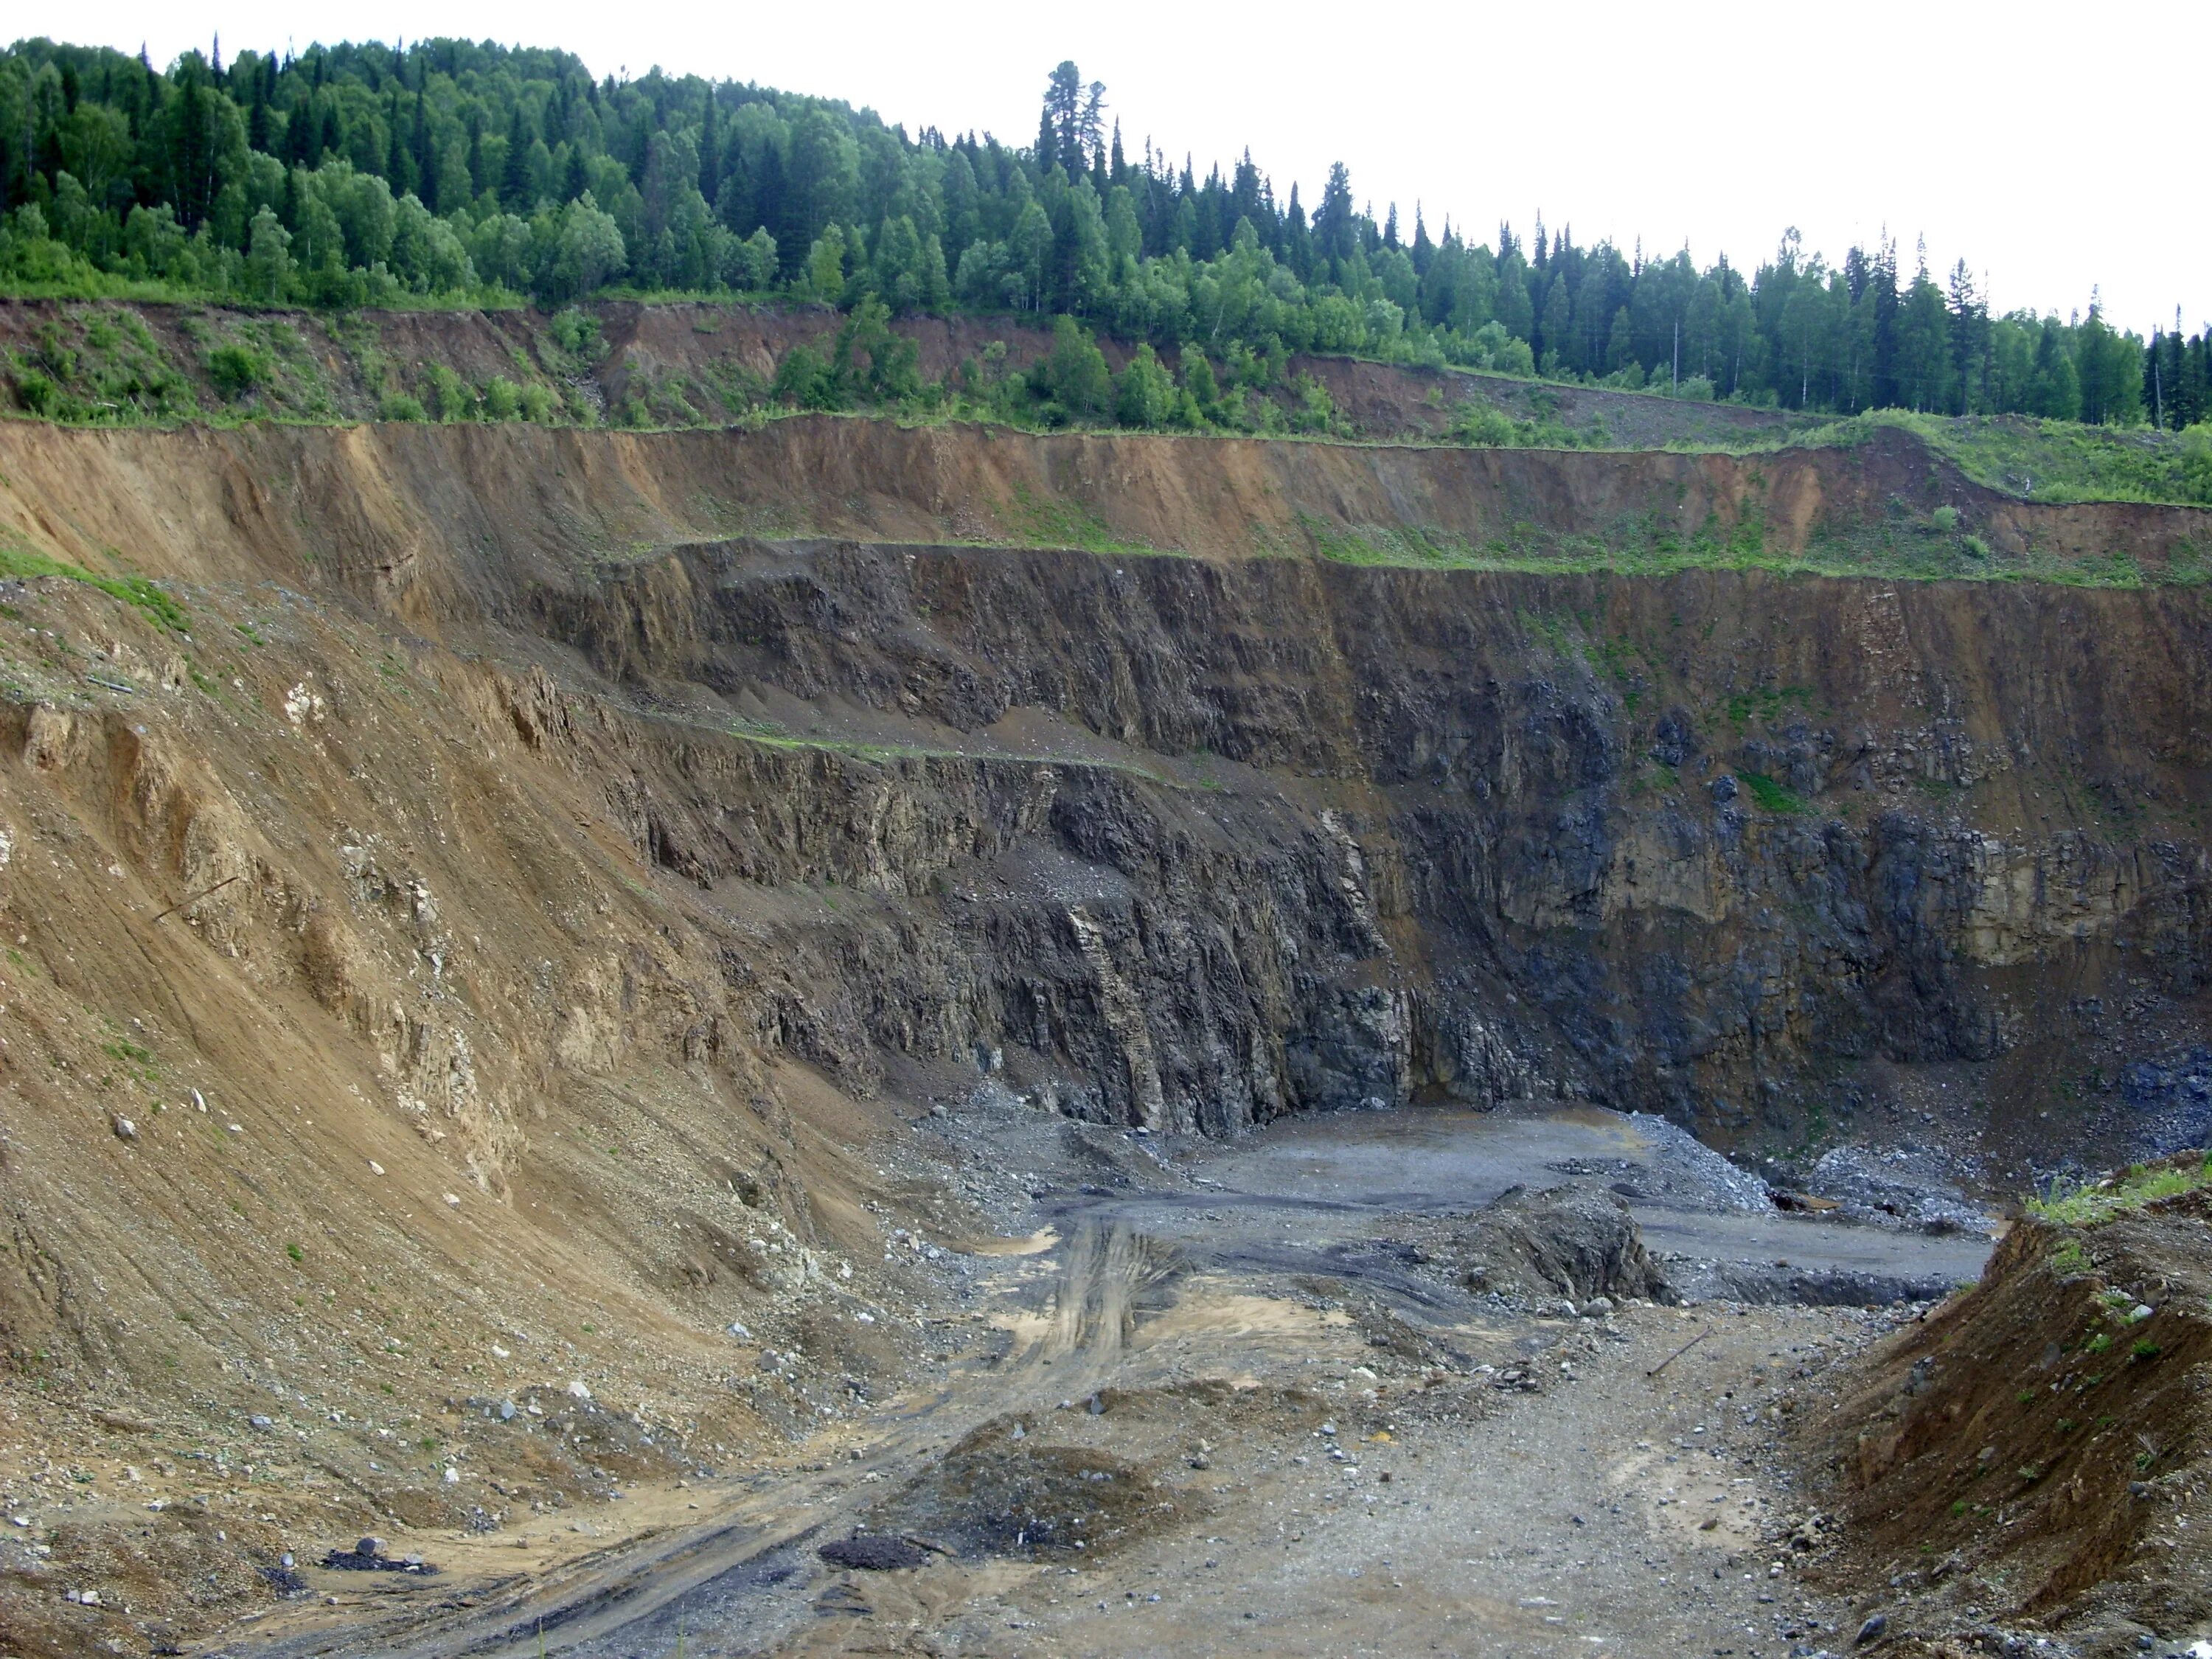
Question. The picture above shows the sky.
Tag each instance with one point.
(2046, 148)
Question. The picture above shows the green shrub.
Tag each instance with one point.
(578, 333)
(1482, 425)
(37, 393)
(1978, 547)
(450, 396)
(237, 370)
(401, 406)
(1945, 518)
(2196, 462)
(802, 380)
(539, 404)
(502, 399)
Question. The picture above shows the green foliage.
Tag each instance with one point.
(2070, 1259)
(1144, 393)
(802, 380)
(401, 406)
(1771, 796)
(1071, 381)
(2086, 1205)
(454, 172)
(450, 398)
(138, 591)
(236, 370)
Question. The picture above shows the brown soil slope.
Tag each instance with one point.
(586, 844)
(426, 520)
(2037, 1447)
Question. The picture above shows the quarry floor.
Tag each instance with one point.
(1231, 1371)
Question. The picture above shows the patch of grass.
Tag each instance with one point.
(1055, 521)
(132, 590)
(2085, 1205)
(1771, 797)
(2069, 1260)
(1388, 544)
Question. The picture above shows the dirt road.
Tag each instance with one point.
(1225, 1402)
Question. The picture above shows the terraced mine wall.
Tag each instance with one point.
(1188, 783)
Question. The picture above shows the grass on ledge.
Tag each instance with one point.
(140, 591)
(2087, 1204)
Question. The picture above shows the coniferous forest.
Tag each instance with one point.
(449, 173)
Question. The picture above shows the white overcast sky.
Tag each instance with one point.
(2052, 149)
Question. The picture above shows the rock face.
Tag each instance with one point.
(1300, 836)
(556, 871)
(1192, 842)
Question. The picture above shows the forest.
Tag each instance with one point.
(448, 173)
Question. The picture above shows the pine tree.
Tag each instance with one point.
(710, 151)
(514, 177)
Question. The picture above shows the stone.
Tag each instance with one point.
(125, 1129)
(577, 1391)
(1872, 1629)
(873, 1553)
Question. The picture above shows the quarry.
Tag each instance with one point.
(833, 1034)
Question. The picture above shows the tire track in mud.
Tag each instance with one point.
(719, 1575)
(1109, 1271)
